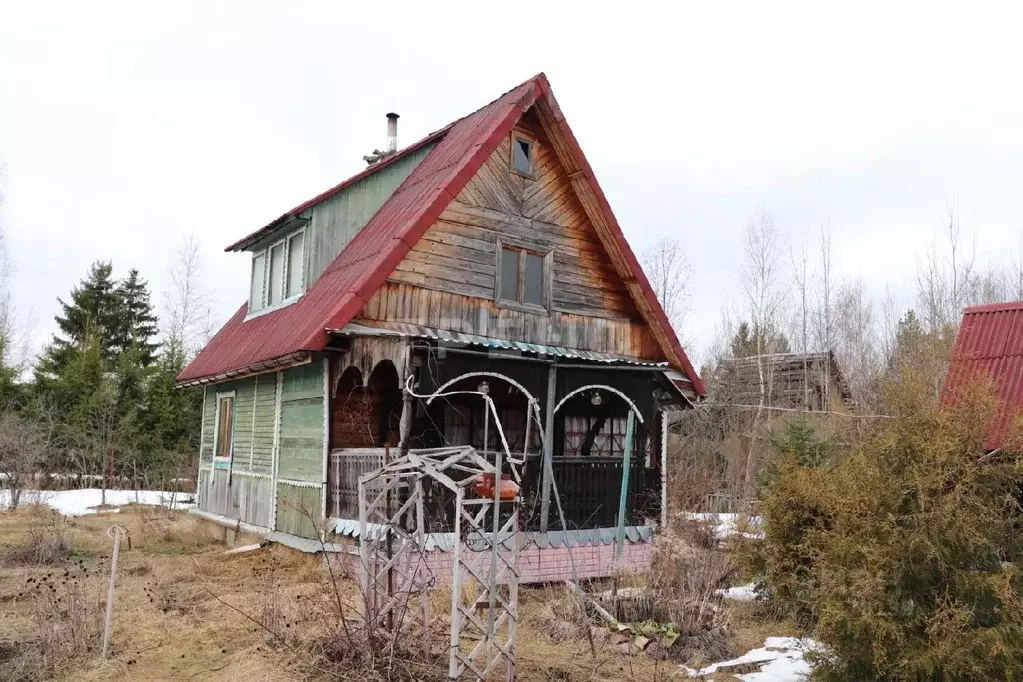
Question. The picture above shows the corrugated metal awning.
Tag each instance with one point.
(420, 332)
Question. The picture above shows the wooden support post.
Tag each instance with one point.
(548, 446)
(623, 496)
(665, 432)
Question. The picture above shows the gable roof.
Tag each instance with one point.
(343, 289)
(990, 344)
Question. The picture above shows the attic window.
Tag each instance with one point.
(278, 273)
(522, 156)
(522, 279)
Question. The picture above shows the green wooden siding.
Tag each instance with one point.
(243, 424)
(305, 381)
(265, 389)
(335, 221)
(301, 438)
(209, 415)
(297, 507)
(253, 438)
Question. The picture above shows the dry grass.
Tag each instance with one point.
(185, 610)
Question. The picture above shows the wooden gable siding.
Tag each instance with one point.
(336, 220)
(448, 278)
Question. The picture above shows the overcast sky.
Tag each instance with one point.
(124, 126)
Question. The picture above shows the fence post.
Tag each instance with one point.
(115, 533)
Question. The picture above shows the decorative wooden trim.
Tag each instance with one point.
(665, 423)
(276, 458)
(326, 437)
(252, 474)
(298, 484)
(252, 427)
(202, 439)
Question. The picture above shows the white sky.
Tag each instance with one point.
(123, 126)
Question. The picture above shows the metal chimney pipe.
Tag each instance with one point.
(392, 132)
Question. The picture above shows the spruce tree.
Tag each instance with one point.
(134, 324)
(93, 308)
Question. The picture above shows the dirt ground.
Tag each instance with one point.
(186, 610)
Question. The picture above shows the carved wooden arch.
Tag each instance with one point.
(361, 383)
(603, 387)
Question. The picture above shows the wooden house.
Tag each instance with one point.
(483, 257)
(810, 382)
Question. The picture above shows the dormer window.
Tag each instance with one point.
(278, 273)
(522, 156)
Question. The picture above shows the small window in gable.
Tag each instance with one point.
(256, 290)
(522, 156)
(523, 277)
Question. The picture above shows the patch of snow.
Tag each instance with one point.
(85, 501)
(740, 592)
(781, 660)
(727, 525)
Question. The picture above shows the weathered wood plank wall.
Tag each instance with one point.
(448, 278)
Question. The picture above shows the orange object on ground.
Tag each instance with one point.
(484, 486)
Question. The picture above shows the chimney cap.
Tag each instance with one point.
(392, 115)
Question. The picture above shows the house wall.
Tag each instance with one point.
(249, 488)
(448, 279)
(243, 488)
(301, 461)
(332, 223)
(335, 221)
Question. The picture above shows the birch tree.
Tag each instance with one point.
(188, 301)
(760, 278)
(668, 270)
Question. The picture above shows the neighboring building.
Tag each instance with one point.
(990, 344)
(484, 256)
(811, 382)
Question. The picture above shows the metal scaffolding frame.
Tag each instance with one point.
(394, 544)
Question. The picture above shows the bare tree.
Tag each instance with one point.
(24, 445)
(188, 302)
(946, 277)
(856, 341)
(761, 280)
(668, 270)
(800, 261)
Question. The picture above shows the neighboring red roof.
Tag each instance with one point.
(361, 268)
(990, 343)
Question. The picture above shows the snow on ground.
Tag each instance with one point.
(740, 592)
(781, 660)
(84, 501)
(727, 525)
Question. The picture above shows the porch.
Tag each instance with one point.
(588, 489)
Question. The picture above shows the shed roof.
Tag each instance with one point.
(345, 286)
(990, 344)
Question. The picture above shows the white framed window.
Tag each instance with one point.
(296, 261)
(223, 432)
(256, 287)
(278, 273)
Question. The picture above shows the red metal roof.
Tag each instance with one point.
(343, 289)
(990, 343)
